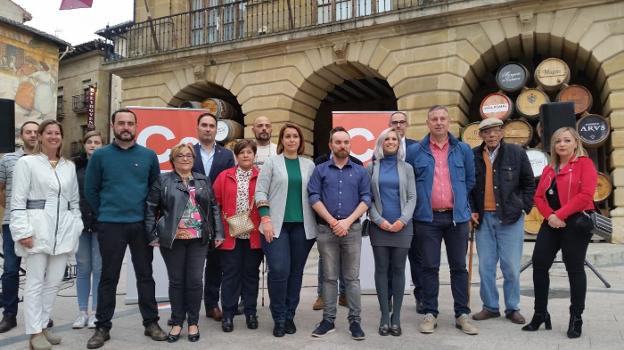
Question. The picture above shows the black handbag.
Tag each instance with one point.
(601, 225)
(366, 224)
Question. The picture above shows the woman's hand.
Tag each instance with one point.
(218, 242)
(555, 222)
(27, 242)
(385, 225)
(267, 228)
(397, 226)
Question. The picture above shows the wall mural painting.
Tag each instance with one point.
(29, 75)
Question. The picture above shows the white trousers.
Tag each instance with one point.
(44, 274)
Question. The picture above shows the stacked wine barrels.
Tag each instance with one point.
(228, 129)
(517, 103)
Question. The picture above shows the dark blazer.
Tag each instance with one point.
(325, 157)
(513, 181)
(223, 159)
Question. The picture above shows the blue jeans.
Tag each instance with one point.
(455, 236)
(10, 274)
(88, 261)
(495, 242)
(319, 288)
(286, 257)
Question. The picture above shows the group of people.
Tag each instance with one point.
(218, 214)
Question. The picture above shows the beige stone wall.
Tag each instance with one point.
(439, 59)
(72, 73)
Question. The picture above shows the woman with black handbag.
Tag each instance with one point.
(182, 218)
(391, 231)
(241, 252)
(566, 189)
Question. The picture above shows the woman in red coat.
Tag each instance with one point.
(565, 190)
(240, 256)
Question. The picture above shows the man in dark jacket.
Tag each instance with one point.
(503, 193)
(211, 159)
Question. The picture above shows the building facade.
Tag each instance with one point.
(80, 72)
(298, 60)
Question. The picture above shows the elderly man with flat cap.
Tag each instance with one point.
(502, 195)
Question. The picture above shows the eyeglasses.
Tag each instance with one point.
(184, 156)
(398, 122)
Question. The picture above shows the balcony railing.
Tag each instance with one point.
(79, 103)
(236, 20)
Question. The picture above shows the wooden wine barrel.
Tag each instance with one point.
(529, 101)
(470, 135)
(578, 94)
(532, 221)
(538, 160)
(603, 187)
(496, 105)
(228, 130)
(512, 77)
(191, 104)
(551, 74)
(518, 132)
(230, 144)
(220, 108)
(593, 130)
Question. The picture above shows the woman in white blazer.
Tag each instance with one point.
(287, 223)
(45, 224)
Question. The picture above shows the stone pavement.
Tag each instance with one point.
(603, 328)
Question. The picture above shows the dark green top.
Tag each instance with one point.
(294, 200)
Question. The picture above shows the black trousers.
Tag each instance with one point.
(212, 279)
(185, 267)
(241, 276)
(573, 243)
(113, 239)
(415, 259)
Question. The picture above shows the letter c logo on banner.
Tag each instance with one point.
(366, 134)
(156, 129)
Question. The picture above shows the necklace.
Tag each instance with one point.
(53, 163)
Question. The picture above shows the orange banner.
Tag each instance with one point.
(364, 128)
(159, 129)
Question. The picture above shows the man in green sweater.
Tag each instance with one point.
(117, 181)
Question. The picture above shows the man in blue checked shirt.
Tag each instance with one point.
(339, 192)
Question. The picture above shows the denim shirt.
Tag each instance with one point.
(462, 172)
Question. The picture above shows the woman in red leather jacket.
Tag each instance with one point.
(565, 190)
(240, 256)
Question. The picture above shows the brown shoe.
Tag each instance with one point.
(319, 304)
(98, 339)
(485, 315)
(342, 300)
(215, 313)
(516, 317)
(154, 331)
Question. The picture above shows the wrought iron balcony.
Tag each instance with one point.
(79, 103)
(236, 20)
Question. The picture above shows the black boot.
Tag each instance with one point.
(575, 327)
(537, 320)
(8, 322)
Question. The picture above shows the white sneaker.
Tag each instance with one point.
(91, 323)
(81, 320)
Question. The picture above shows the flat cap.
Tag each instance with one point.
(490, 123)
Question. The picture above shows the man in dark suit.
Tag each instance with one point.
(211, 159)
(398, 121)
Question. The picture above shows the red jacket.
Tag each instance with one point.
(225, 190)
(576, 185)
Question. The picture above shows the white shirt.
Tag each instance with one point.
(264, 152)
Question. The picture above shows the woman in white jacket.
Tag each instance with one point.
(46, 222)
